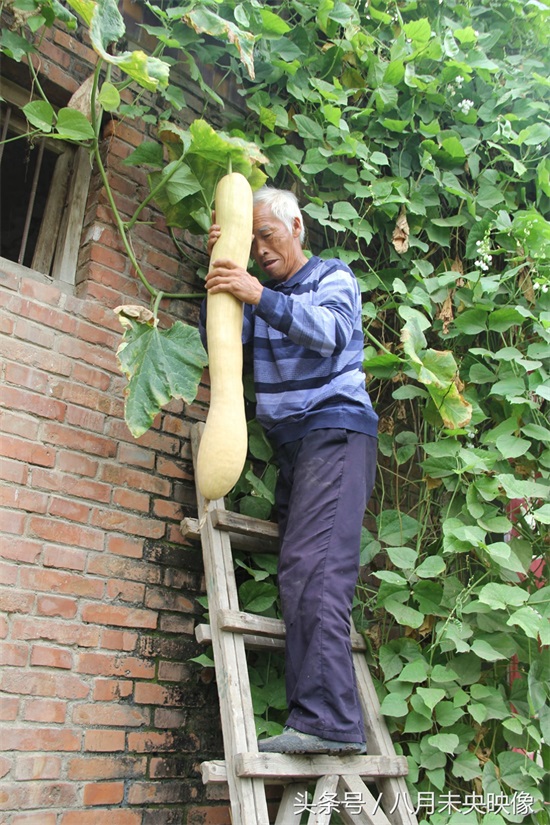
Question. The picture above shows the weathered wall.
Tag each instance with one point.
(104, 719)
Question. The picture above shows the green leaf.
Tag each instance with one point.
(109, 97)
(40, 114)
(73, 125)
(501, 596)
(528, 619)
(486, 651)
(257, 597)
(404, 615)
(160, 365)
(308, 128)
(431, 696)
(431, 567)
(394, 527)
(204, 21)
(272, 24)
(445, 742)
(394, 706)
(416, 671)
(147, 153)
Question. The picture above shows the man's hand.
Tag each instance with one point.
(227, 276)
(213, 235)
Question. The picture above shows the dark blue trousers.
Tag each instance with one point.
(325, 482)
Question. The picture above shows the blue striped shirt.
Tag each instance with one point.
(308, 350)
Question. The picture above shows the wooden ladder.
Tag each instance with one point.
(340, 781)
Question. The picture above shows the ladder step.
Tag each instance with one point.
(246, 538)
(282, 766)
(250, 624)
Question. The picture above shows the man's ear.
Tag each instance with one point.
(296, 227)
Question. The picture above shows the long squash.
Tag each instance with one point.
(223, 446)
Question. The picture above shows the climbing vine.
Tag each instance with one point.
(417, 137)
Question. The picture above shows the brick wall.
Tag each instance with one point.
(104, 719)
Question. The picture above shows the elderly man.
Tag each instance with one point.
(305, 326)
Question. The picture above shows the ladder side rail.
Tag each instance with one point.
(248, 799)
(395, 793)
(369, 813)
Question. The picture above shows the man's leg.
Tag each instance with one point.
(326, 480)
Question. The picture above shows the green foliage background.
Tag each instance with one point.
(416, 135)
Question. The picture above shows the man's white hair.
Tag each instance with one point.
(284, 206)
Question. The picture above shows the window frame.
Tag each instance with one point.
(59, 238)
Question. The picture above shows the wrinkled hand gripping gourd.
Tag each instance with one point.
(223, 446)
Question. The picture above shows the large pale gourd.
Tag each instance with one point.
(224, 443)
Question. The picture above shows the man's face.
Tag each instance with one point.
(277, 251)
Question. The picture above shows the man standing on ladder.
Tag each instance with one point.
(305, 326)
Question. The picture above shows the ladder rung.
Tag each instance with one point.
(248, 543)
(246, 525)
(280, 766)
(249, 624)
(203, 635)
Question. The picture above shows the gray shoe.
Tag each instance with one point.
(294, 741)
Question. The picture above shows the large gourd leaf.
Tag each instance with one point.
(160, 364)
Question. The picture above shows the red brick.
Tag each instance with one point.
(156, 793)
(124, 568)
(3, 627)
(84, 396)
(45, 710)
(5, 766)
(156, 441)
(153, 694)
(167, 509)
(131, 500)
(57, 606)
(126, 523)
(104, 793)
(122, 616)
(35, 333)
(35, 795)
(67, 558)
(14, 655)
(63, 686)
(174, 672)
(9, 708)
(89, 353)
(109, 259)
(123, 546)
(104, 741)
(55, 631)
(7, 325)
(71, 485)
(61, 582)
(168, 600)
(39, 739)
(98, 817)
(118, 640)
(152, 741)
(24, 376)
(117, 475)
(122, 716)
(132, 454)
(46, 293)
(70, 510)
(102, 664)
(8, 573)
(35, 818)
(23, 550)
(208, 816)
(23, 499)
(11, 601)
(111, 690)
(173, 469)
(86, 419)
(37, 767)
(18, 399)
(77, 463)
(51, 657)
(34, 356)
(27, 451)
(79, 440)
(14, 423)
(65, 533)
(106, 767)
(91, 377)
(14, 471)
(132, 592)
